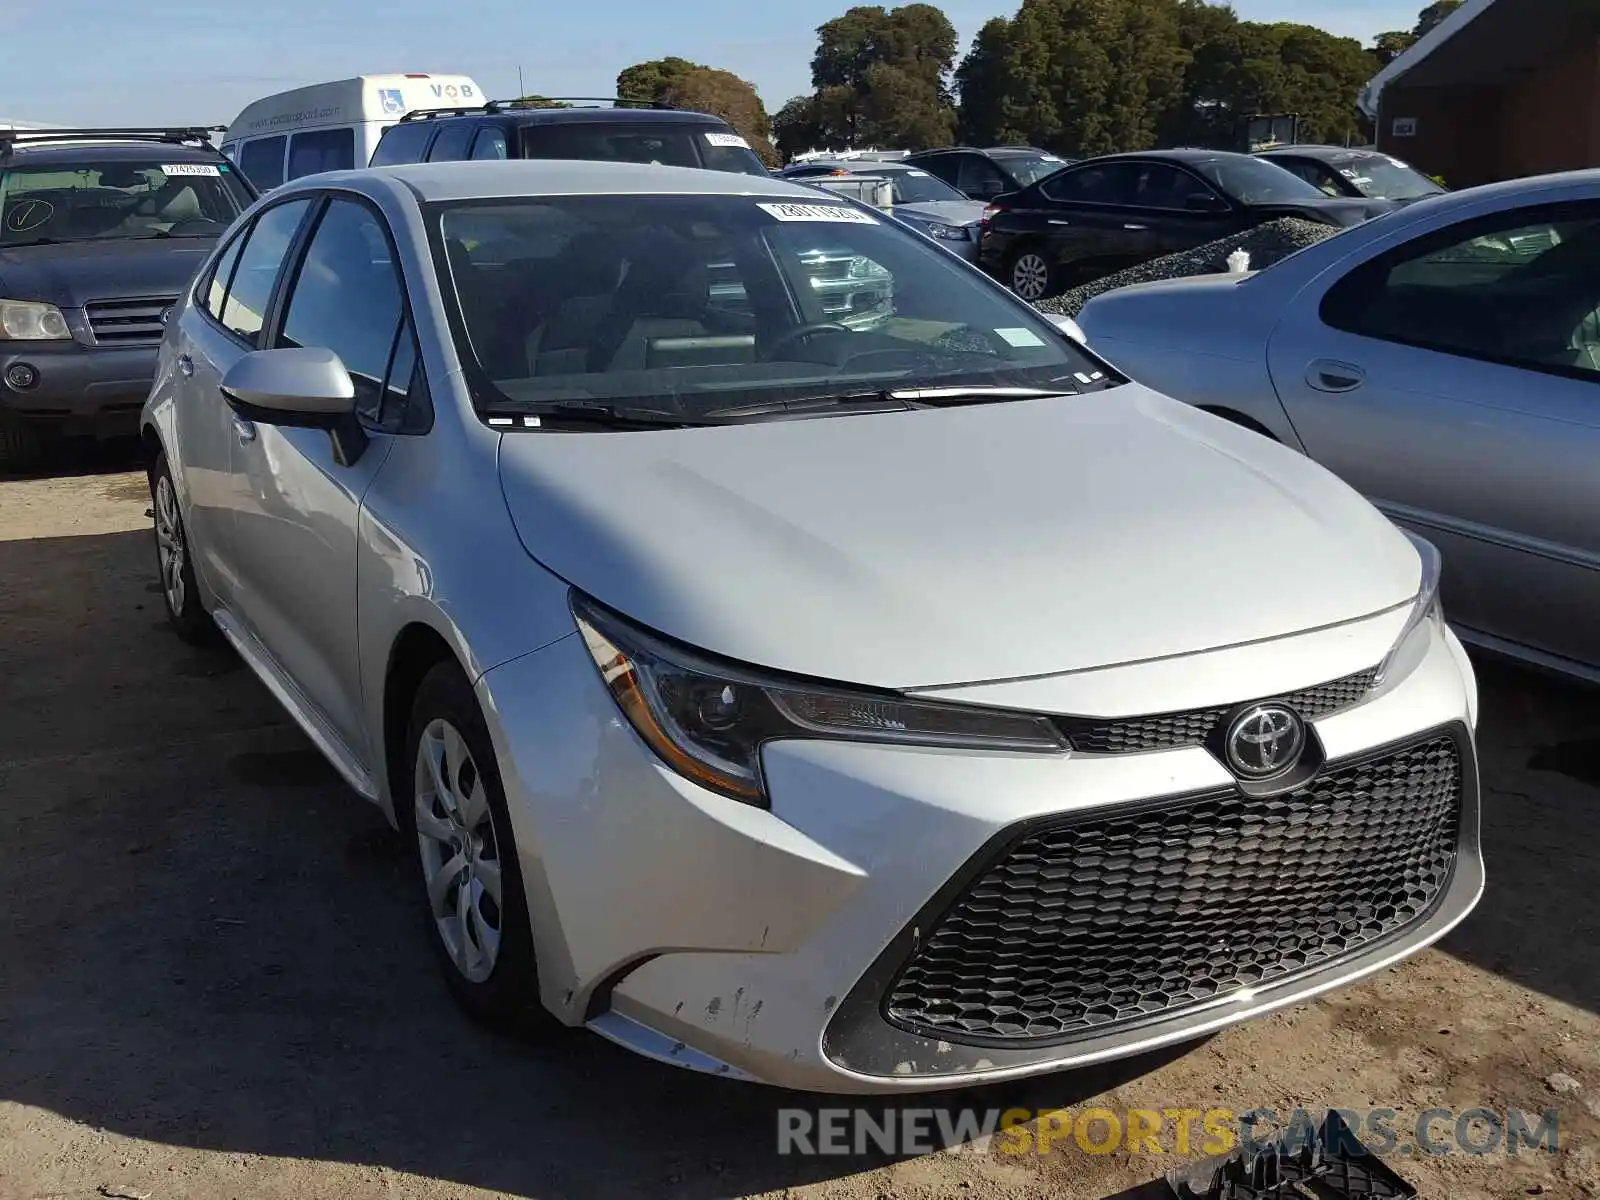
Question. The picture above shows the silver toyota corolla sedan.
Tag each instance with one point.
(848, 707)
(1444, 360)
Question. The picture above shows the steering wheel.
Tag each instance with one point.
(801, 333)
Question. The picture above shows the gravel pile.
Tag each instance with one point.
(1265, 244)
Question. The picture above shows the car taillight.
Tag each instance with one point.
(990, 211)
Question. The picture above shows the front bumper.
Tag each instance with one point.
(78, 389)
(758, 944)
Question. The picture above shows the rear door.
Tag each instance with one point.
(1091, 221)
(1181, 210)
(1454, 378)
(215, 335)
(979, 178)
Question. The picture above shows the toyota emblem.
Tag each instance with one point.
(1265, 740)
(166, 314)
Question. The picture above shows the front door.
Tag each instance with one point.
(295, 525)
(1455, 380)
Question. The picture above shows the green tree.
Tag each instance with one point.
(1432, 15)
(985, 87)
(1390, 46)
(540, 102)
(882, 78)
(683, 84)
(797, 127)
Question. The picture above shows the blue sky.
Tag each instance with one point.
(201, 61)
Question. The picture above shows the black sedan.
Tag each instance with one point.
(1365, 174)
(1106, 214)
(985, 174)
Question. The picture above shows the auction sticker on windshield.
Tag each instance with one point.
(818, 212)
(190, 169)
(727, 139)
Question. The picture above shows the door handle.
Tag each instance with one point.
(1326, 375)
(244, 430)
(1136, 227)
(1057, 221)
(185, 365)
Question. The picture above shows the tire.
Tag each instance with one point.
(20, 444)
(1031, 274)
(180, 593)
(451, 809)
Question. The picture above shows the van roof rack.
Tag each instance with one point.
(171, 134)
(542, 101)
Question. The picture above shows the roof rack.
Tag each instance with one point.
(176, 135)
(542, 101)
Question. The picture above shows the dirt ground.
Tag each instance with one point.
(213, 984)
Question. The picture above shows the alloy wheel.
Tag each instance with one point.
(1030, 276)
(459, 851)
(171, 553)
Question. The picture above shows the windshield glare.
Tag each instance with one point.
(96, 201)
(918, 187)
(689, 304)
(1256, 181)
(1385, 178)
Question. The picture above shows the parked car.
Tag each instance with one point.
(332, 126)
(513, 129)
(1106, 214)
(1446, 362)
(100, 231)
(1362, 174)
(985, 174)
(718, 720)
(921, 200)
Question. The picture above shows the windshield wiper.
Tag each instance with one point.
(876, 400)
(41, 241)
(945, 397)
(586, 412)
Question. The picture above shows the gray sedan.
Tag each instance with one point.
(1445, 360)
(923, 201)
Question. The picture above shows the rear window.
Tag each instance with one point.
(668, 145)
(321, 150)
(403, 143)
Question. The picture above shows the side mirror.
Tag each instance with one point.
(298, 387)
(1206, 202)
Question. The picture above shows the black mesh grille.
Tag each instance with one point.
(1166, 731)
(1116, 918)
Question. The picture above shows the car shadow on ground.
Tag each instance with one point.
(212, 943)
(1539, 757)
(65, 458)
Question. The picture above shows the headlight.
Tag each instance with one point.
(30, 321)
(1426, 607)
(946, 233)
(708, 720)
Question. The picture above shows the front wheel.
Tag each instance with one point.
(179, 590)
(1030, 274)
(455, 815)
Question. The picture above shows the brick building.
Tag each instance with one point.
(1499, 89)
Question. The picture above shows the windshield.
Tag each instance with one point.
(1385, 178)
(1028, 169)
(666, 145)
(1256, 181)
(690, 304)
(102, 201)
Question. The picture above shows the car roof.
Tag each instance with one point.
(519, 177)
(584, 116)
(862, 165)
(1312, 151)
(45, 153)
(1183, 154)
(1015, 151)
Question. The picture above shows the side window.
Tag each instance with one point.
(216, 287)
(402, 143)
(262, 162)
(321, 150)
(451, 144)
(1162, 186)
(230, 151)
(1316, 174)
(980, 175)
(490, 143)
(406, 407)
(942, 166)
(347, 298)
(1109, 183)
(1521, 288)
(245, 309)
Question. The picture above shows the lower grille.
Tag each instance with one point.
(128, 322)
(1167, 731)
(1116, 918)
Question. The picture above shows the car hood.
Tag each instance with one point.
(1338, 210)
(71, 274)
(943, 546)
(950, 212)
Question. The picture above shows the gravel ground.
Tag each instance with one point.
(214, 985)
(1265, 244)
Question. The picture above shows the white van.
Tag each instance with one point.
(333, 126)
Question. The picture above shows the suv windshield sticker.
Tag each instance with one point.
(727, 139)
(190, 169)
(818, 212)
